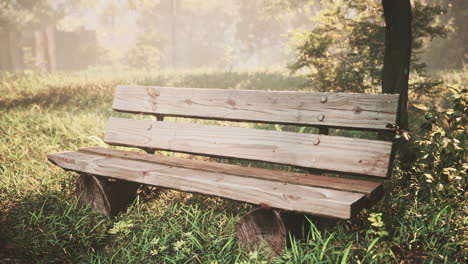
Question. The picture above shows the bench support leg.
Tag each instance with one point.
(263, 229)
(108, 196)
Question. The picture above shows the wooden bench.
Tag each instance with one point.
(305, 193)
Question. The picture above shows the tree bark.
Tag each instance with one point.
(396, 68)
(398, 41)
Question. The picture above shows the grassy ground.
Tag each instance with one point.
(39, 221)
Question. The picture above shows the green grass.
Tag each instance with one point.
(39, 221)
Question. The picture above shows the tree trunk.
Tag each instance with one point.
(16, 53)
(50, 40)
(398, 40)
(174, 32)
(396, 68)
(39, 50)
(5, 63)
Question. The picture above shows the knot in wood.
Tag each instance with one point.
(323, 99)
(321, 117)
(152, 92)
(316, 141)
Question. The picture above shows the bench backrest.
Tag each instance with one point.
(331, 153)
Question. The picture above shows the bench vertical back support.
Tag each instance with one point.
(330, 153)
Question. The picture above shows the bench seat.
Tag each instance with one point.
(306, 193)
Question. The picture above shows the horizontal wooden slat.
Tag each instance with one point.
(364, 111)
(372, 190)
(361, 156)
(313, 200)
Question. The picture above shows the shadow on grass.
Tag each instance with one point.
(49, 228)
(57, 96)
(298, 224)
(242, 80)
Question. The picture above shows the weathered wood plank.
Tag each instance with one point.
(361, 156)
(372, 190)
(313, 200)
(364, 111)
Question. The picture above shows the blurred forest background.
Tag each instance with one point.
(65, 35)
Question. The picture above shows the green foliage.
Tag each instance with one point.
(261, 24)
(36, 13)
(452, 51)
(187, 23)
(344, 52)
(145, 54)
(378, 226)
(17, 14)
(441, 167)
(218, 34)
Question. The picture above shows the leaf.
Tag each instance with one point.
(382, 233)
(429, 176)
(455, 89)
(421, 107)
(372, 244)
(378, 224)
(345, 255)
(406, 135)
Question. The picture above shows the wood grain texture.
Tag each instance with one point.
(93, 191)
(263, 230)
(361, 111)
(372, 190)
(108, 197)
(306, 199)
(360, 156)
